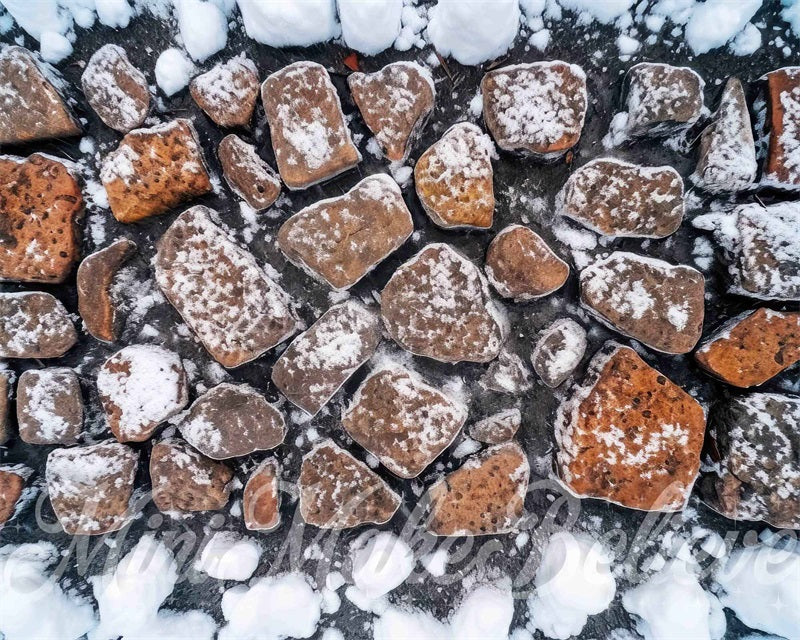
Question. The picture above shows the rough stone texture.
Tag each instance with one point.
(403, 421)
(558, 351)
(520, 265)
(12, 482)
(782, 167)
(339, 492)
(95, 277)
(318, 362)
(5, 400)
(341, 239)
(629, 435)
(261, 502)
(40, 203)
(485, 496)
(154, 170)
(228, 91)
(250, 177)
(237, 311)
(438, 305)
(309, 133)
(49, 406)
(752, 347)
(395, 103)
(655, 302)
(616, 198)
(507, 374)
(498, 427)
(536, 108)
(34, 325)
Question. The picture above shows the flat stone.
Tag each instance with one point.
(261, 502)
(629, 435)
(5, 400)
(558, 351)
(227, 93)
(247, 174)
(507, 374)
(12, 482)
(318, 362)
(649, 300)
(236, 310)
(341, 239)
(782, 166)
(438, 305)
(498, 427)
(49, 406)
(34, 324)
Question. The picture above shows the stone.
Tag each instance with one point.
(227, 93)
(5, 401)
(340, 240)
(395, 103)
(236, 310)
(34, 324)
(154, 170)
(507, 374)
(752, 348)
(41, 204)
(90, 487)
(629, 435)
(186, 481)
(520, 265)
(558, 351)
(485, 496)
(619, 199)
(403, 421)
(782, 166)
(12, 482)
(140, 387)
(96, 274)
(537, 108)
(32, 108)
(309, 134)
(497, 428)
(232, 420)
(318, 362)
(438, 305)
(339, 492)
(49, 406)
(659, 304)
(261, 502)
(454, 178)
(247, 174)
(115, 89)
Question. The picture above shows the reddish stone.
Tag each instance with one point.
(250, 177)
(228, 91)
(49, 406)
(34, 324)
(262, 499)
(782, 168)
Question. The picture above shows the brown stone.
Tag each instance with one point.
(507, 374)
(247, 174)
(261, 502)
(5, 400)
(558, 351)
(34, 325)
(783, 107)
(12, 482)
(228, 91)
(49, 406)
(498, 427)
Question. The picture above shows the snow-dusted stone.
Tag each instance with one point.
(228, 92)
(90, 487)
(309, 134)
(95, 276)
(115, 89)
(141, 386)
(498, 427)
(237, 311)
(617, 198)
(247, 174)
(12, 482)
(782, 168)
(485, 496)
(154, 170)
(655, 302)
(185, 481)
(558, 351)
(49, 406)
(34, 324)
(232, 420)
(507, 374)
(402, 420)
(5, 401)
(395, 103)
(339, 240)
(261, 502)
(520, 265)
(32, 108)
(438, 305)
(339, 492)
(318, 362)
(41, 202)
(537, 108)
(629, 435)
(454, 178)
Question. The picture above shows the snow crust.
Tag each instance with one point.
(173, 71)
(380, 564)
(289, 23)
(370, 26)
(228, 557)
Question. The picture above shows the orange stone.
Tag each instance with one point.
(262, 500)
(783, 106)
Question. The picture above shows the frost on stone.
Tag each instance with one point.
(558, 351)
(507, 374)
(261, 501)
(782, 168)
(49, 406)
(498, 427)
(227, 93)
(247, 174)
(34, 324)
(12, 489)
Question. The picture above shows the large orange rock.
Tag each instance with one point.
(782, 168)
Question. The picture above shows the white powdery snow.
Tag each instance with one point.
(54, 47)
(605, 11)
(381, 564)
(715, 22)
(436, 562)
(203, 27)
(173, 71)
(370, 26)
(228, 557)
(288, 23)
(747, 42)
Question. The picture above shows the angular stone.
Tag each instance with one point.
(402, 420)
(438, 305)
(752, 348)
(261, 502)
(339, 492)
(454, 178)
(485, 496)
(537, 108)
(154, 170)
(12, 482)
(497, 428)
(395, 103)
(40, 203)
(309, 134)
(655, 302)
(237, 311)
(228, 91)
(49, 406)
(34, 324)
(629, 435)
(318, 362)
(558, 351)
(247, 174)
(507, 374)
(5, 400)
(90, 487)
(232, 420)
(115, 89)
(520, 265)
(617, 198)
(782, 167)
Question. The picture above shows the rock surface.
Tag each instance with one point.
(558, 351)
(12, 482)
(228, 92)
(247, 174)
(507, 374)
(5, 401)
(34, 324)
(261, 501)
(782, 167)
(49, 406)
(497, 428)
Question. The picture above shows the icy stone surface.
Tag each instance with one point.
(34, 324)
(227, 93)
(558, 351)
(49, 406)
